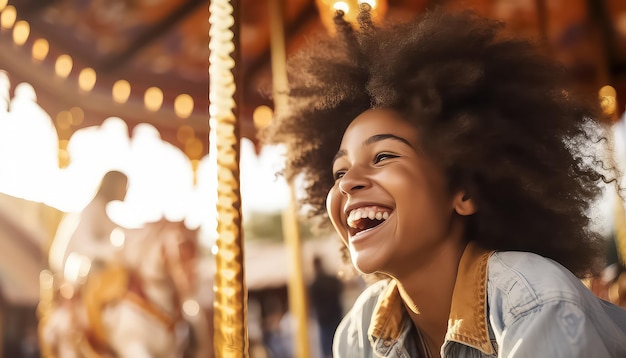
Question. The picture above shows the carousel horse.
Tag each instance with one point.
(134, 309)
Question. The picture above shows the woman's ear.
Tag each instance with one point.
(463, 204)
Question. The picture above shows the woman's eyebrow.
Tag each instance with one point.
(339, 154)
(373, 139)
(379, 137)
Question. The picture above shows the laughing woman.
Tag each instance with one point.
(454, 162)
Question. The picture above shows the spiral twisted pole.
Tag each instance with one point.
(230, 303)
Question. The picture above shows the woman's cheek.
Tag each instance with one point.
(334, 210)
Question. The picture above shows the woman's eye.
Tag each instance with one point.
(383, 156)
(339, 174)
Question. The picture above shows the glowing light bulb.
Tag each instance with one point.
(87, 79)
(40, 49)
(21, 31)
(8, 17)
(262, 116)
(371, 3)
(342, 6)
(121, 91)
(184, 132)
(63, 66)
(117, 237)
(153, 99)
(191, 308)
(183, 105)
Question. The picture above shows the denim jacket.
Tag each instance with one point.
(504, 304)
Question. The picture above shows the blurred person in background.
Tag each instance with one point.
(325, 293)
(276, 329)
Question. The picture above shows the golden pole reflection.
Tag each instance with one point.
(297, 290)
(230, 322)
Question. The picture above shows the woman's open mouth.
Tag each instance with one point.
(365, 218)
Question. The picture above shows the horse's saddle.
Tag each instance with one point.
(112, 284)
(105, 286)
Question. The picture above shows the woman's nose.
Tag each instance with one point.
(353, 180)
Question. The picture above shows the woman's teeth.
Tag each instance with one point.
(356, 215)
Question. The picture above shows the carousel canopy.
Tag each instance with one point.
(93, 54)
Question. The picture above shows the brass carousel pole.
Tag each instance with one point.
(230, 304)
(608, 103)
(297, 289)
(44, 310)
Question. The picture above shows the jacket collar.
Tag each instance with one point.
(468, 313)
(467, 323)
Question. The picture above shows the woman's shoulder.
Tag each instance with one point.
(520, 282)
(531, 293)
(351, 338)
(536, 276)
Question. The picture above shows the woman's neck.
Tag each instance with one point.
(427, 294)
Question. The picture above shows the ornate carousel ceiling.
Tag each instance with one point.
(164, 44)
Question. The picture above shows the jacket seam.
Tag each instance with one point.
(540, 305)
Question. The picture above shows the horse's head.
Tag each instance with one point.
(164, 253)
(155, 273)
(180, 254)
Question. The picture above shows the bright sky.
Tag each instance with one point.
(160, 174)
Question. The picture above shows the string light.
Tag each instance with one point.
(63, 66)
(78, 115)
(328, 9)
(8, 17)
(87, 79)
(63, 120)
(121, 91)
(183, 105)
(341, 6)
(191, 308)
(184, 132)
(262, 116)
(153, 99)
(608, 101)
(21, 31)
(194, 148)
(41, 47)
(117, 237)
(371, 3)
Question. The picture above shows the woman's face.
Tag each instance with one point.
(390, 203)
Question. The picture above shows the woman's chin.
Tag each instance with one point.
(365, 267)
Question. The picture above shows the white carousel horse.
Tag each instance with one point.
(135, 309)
